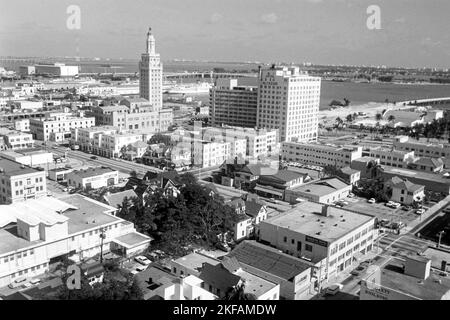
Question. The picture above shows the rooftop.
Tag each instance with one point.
(436, 177)
(432, 288)
(254, 284)
(322, 187)
(306, 218)
(269, 259)
(132, 239)
(13, 168)
(116, 199)
(92, 172)
(195, 260)
(408, 185)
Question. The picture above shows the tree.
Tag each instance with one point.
(160, 138)
(391, 118)
(349, 118)
(378, 117)
(238, 293)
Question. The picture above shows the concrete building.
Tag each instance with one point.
(392, 157)
(277, 185)
(36, 233)
(106, 141)
(349, 175)
(331, 237)
(25, 105)
(288, 100)
(294, 275)
(151, 74)
(59, 174)
(234, 102)
(191, 264)
(410, 279)
(22, 125)
(93, 178)
(260, 142)
(366, 166)
(57, 126)
(422, 148)
(19, 182)
(319, 154)
(32, 157)
(433, 165)
(133, 114)
(27, 70)
(56, 69)
(324, 191)
(16, 140)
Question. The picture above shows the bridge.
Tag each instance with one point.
(200, 76)
(434, 102)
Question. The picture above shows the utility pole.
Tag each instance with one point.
(102, 237)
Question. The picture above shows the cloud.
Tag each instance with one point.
(270, 18)
(215, 17)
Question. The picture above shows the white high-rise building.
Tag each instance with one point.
(150, 71)
(288, 100)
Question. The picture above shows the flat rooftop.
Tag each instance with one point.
(432, 288)
(92, 172)
(132, 239)
(13, 168)
(194, 261)
(89, 213)
(437, 177)
(322, 187)
(306, 218)
(255, 284)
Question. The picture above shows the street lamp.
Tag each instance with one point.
(440, 236)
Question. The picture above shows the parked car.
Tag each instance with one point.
(384, 222)
(351, 195)
(395, 205)
(94, 157)
(371, 200)
(360, 269)
(334, 289)
(17, 283)
(140, 268)
(406, 208)
(142, 260)
(420, 211)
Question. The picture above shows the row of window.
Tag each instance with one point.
(19, 255)
(32, 269)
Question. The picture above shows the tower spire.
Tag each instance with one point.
(150, 42)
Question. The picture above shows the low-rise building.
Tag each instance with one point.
(422, 147)
(349, 175)
(410, 279)
(57, 126)
(19, 182)
(392, 157)
(59, 174)
(330, 237)
(191, 264)
(16, 140)
(35, 233)
(366, 166)
(93, 178)
(221, 279)
(319, 154)
(324, 191)
(32, 157)
(276, 185)
(22, 125)
(427, 164)
(404, 191)
(294, 275)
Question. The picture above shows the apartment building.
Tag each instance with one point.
(106, 141)
(319, 154)
(19, 182)
(93, 178)
(134, 114)
(422, 148)
(260, 142)
(392, 157)
(234, 102)
(22, 125)
(288, 100)
(330, 237)
(35, 233)
(57, 126)
(210, 154)
(16, 140)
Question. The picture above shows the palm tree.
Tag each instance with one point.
(238, 293)
(378, 117)
(391, 118)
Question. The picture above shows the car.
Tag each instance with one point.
(94, 157)
(420, 211)
(334, 289)
(398, 225)
(35, 281)
(54, 147)
(406, 208)
(371, 200)
(360, 269)
(17, 283)
(140, 268)
(384, 222)
(395, 205)
(142, 260)
(273, 200)
(351, 195)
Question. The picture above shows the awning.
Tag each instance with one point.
(269, 190)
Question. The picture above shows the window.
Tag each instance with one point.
(285, 239)
(308, 247)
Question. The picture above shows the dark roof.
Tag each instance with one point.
(252, 208)
(231, 264)
(431, 162)
(219, 277)
(92, 172)
(348, 171)
(92, 269)
(13, 168)
(408, 185)
(284, 175)
(254, 169)
(269, 260)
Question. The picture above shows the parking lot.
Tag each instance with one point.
(381, 211)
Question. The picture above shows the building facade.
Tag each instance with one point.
(288, 100)
(93, 178)
(234, 102)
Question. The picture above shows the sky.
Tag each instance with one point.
(413, 33)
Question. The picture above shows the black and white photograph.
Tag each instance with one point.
(224, 158)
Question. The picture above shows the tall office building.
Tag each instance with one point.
(288, 100)
(234, 102)
(150, 71)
